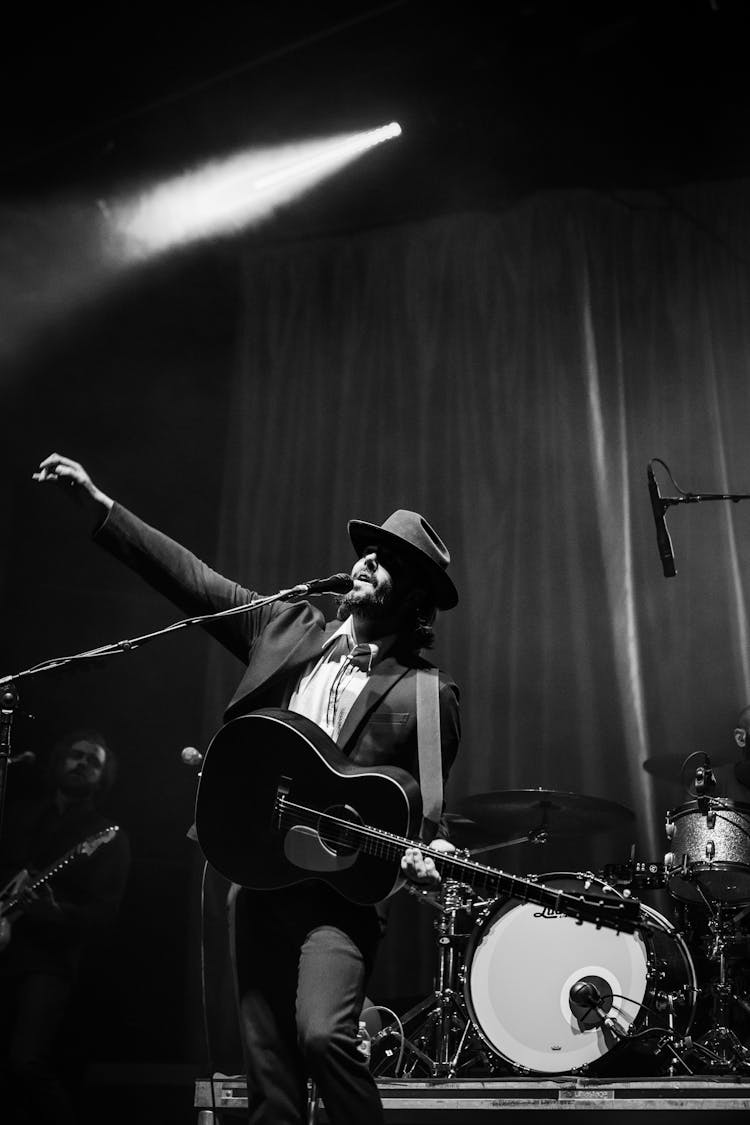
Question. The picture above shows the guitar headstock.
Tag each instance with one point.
(90, 845)
(624, 915)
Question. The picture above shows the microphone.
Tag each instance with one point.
(27, 758)
(662, 535)
(191, 756)
(334, 584)
(586, 993)
(705, 778)
(586, 999)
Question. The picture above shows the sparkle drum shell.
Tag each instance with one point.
(710, 850)
(522, 961)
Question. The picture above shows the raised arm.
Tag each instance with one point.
(164, 564)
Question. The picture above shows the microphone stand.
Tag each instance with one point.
(701, 497)
(8, 704)
(9, 696)
(690, 497)
(660, 504)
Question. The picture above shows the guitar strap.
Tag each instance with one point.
(430, 757)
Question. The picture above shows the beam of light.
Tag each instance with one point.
(615, 524)
(227, 195)
(736, 569)
(61, 257)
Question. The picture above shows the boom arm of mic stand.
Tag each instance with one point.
(118, 647)
(701, 497)
(9, 692)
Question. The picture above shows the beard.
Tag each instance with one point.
(369, 603)
(77, 784)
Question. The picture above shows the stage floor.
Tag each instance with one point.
(448, 1102)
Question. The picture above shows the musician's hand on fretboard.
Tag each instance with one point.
(418, 865)
(41, 904)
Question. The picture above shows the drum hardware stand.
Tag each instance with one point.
(674, 1046)
(726, 1050)
(669, 1041)
(434, 1035)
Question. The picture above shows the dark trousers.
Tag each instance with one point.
(41, 1000)
(303, 956)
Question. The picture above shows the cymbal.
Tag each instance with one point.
(466, 833)
(515, 813)
(680, 767)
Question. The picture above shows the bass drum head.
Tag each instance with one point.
(522, 963)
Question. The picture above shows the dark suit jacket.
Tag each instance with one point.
(277, 641)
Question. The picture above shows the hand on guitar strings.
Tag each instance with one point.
(41, 904)
(418, 865)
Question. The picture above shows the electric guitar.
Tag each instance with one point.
(278, 803)
(14, 894)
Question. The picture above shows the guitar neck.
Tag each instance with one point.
(6, 905)
(616, 913)
(478, 876)
(85, 847)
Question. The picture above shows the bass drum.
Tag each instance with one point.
(531, 977)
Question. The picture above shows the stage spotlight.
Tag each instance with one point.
(227, 195)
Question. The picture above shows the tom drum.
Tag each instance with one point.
(709, 851)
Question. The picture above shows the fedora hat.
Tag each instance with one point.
(412, 538)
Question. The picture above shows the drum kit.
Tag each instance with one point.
(520, 990)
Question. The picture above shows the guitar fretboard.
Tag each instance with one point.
(338, 832)
(86, 847)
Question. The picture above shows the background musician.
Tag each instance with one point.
(44, 939)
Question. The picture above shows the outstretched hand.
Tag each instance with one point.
(71, 476)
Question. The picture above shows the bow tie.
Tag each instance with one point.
(362, 656)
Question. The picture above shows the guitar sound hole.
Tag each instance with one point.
(333, 830)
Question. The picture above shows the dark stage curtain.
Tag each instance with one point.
(510, 376)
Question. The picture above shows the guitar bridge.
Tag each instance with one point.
(282, 793)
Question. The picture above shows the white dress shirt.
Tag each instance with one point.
(329, 686)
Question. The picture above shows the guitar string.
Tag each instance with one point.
(381, 845)
(376, 842)
(75, 853)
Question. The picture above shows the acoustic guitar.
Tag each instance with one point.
(278, 804)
